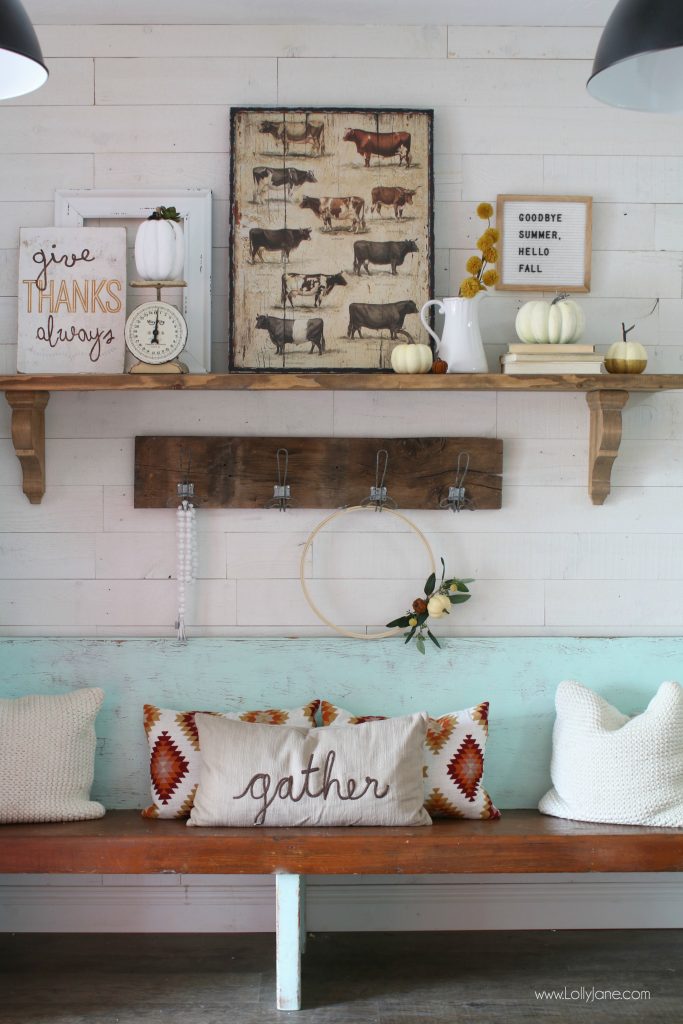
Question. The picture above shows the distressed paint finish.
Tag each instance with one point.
(290, 934)
(518, 675)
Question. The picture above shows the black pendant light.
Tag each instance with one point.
(639, 61)
(21, 62)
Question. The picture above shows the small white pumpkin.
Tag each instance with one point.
(625, 356)
(411, 358)
(559, 322)
(438, 605)
(160, 246)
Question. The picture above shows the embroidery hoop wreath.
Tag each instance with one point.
(430, 588)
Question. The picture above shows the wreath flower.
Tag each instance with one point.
(435, 604)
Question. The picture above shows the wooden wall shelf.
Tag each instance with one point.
(606, 395)
(341, 382)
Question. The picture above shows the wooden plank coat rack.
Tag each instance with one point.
(323, 472)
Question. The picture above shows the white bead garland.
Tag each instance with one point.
(186, 572)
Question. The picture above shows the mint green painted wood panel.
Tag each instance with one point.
(518, 675)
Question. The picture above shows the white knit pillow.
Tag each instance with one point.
(47, 754)
(607, 767)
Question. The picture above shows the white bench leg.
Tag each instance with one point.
(290, 934)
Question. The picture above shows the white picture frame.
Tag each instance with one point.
(75, 207)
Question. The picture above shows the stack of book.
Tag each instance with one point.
(522, 358)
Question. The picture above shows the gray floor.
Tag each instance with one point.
(437, 978)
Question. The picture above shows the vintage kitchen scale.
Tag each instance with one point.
(156, 332)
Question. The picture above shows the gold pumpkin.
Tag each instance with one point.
(625, 356)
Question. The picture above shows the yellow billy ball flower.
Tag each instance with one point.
(491, 254)
(484, 242)
(473, 265)
(484, 210)
(469, 288)
(412, 621)
(493, 233)
(490, 277)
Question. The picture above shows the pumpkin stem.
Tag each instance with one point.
(410, 340)
(625, 330)
(560, 298)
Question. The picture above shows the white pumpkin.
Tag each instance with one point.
(411, 358)
(438, 605)
(550, 323)
(626, 357)
(160, 249)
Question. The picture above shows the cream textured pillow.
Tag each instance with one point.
(607, 767)
(175, 759)
(47, 755)
(260, 775)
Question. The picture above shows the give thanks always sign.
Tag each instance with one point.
(72, 300)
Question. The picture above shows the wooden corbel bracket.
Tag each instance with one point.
(605, 438)
(28, 437)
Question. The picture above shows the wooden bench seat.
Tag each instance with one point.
(520, 842)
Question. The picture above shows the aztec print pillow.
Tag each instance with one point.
(453, 760)
(174, 758)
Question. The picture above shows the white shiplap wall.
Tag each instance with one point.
(145, 105)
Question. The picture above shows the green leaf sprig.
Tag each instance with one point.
(165, 213)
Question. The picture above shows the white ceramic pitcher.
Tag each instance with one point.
(460, 344)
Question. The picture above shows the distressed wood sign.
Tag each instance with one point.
(545, 243)
(72, 300)
(323, 472)
(330, 236)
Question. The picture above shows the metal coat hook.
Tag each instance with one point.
(282, 492)
(457, 498)
(379, 496)
(185, 487)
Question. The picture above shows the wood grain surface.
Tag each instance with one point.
(604, 440)
(521, 841)
(324, 472)
(343, 382)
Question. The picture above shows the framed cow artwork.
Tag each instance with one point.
(331, 236)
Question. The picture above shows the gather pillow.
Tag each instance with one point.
(175, 759)
(47, 757)
(453, 757)
(260, 775)
(609, 767)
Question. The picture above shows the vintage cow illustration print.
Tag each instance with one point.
(331, 236)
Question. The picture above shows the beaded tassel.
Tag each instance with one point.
(186, 571)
